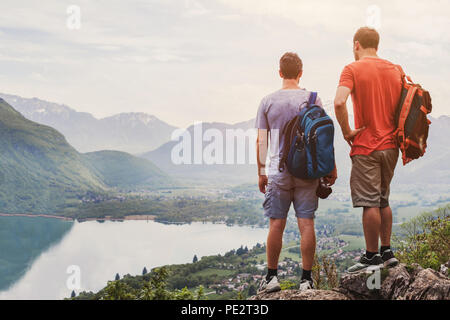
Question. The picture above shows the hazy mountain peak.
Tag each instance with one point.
(35, 105)
(40, 170)
(133, 132)
(138, 117)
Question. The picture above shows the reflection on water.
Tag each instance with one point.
(22, 240)
(101, 250)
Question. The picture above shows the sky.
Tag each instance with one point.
(206, 60)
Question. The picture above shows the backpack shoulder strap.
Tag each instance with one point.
(312, 98)
(403, 74)
(311, 101)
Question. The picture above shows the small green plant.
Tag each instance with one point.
(117, 290)
(330, 270)
(200, 293)
(425, 240)
(155, 288)
(288, 285)
(324, 273)
(183, 294)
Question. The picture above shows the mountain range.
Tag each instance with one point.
(433, 168)
(128, 132)
(208, 173)
(40, 171)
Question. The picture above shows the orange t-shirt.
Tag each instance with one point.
(375, 86)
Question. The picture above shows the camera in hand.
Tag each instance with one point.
(323, 190)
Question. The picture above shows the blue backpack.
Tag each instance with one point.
(308, 151)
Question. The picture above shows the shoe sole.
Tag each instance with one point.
(274, 289)
(390, 263)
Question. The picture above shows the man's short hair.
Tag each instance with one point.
(367, 38)
(290, 65)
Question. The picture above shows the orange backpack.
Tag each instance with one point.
(411, 118)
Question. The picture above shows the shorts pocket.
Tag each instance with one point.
(267, 197)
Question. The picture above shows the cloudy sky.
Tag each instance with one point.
(206, 60)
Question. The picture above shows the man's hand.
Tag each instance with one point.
(262, 183)
(331, 178)
(350, 136)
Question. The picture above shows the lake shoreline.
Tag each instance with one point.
(101, 250)
(144, 217)
(107, 218)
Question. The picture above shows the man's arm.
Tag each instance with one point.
(262, 144)
(340, 108)
(332, 177)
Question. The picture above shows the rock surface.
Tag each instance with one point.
(428, 285)
(301, 295)
(399, 283)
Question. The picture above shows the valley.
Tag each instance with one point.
(44, 177)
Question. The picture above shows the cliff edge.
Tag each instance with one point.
(399, 283)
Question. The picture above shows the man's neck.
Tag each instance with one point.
(290, 84)
(368, 53)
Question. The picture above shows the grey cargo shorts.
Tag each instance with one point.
(284, 189)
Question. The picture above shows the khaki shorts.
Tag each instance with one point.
(371, 178)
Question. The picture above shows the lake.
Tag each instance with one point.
(100, 250)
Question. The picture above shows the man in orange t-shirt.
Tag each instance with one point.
(375, 87)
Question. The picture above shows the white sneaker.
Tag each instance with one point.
(306, 285)
(272, 286)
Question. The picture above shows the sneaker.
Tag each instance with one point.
(365, 264)
(389, 260)
(306, 285)
(269, 286)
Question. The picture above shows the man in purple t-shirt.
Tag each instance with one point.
(281, 188)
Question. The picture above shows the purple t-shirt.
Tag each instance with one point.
(274, 112)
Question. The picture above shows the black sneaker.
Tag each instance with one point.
(389, 260)
(366, 264)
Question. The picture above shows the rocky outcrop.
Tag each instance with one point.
(399, 283)
(301, 295)
(428, 285)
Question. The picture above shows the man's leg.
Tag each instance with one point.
(276, 206)
(273, 249)
(389, 260)
(305, 204)
(274, 242)
(389, 160)
(365, 185)
(308, 242)
(371, 226)
(386, 226)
